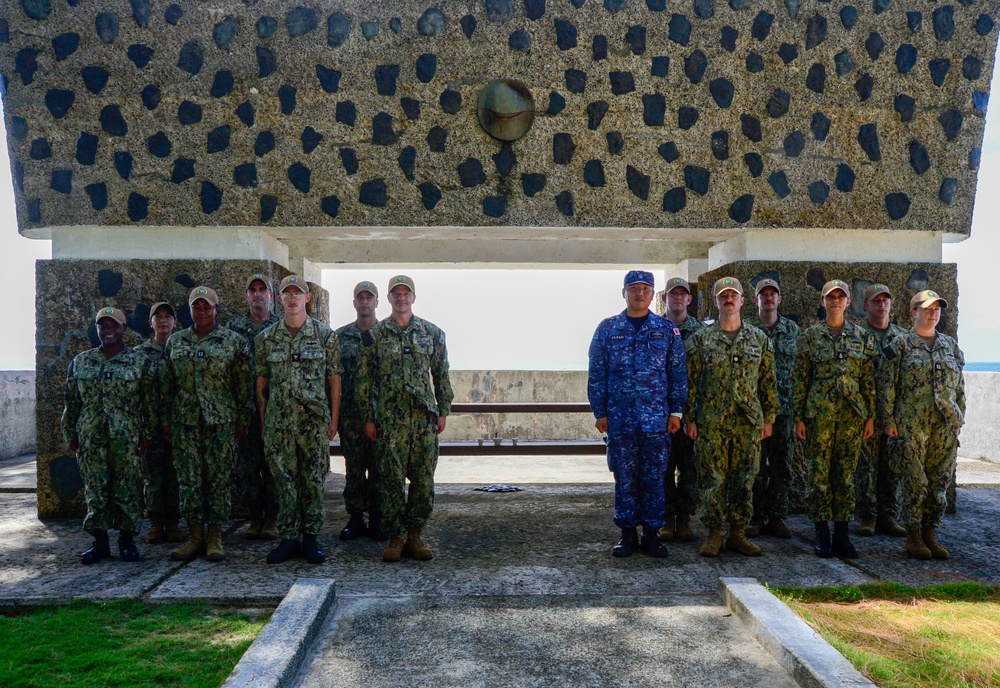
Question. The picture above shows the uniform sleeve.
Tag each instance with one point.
(443, 392)
(767, 383)
(801, 376)
(597, 375)
(364, 389)
(167, 391)
(677, 380)
(867, 381)
(74, 405)
(960, 391)
(887, 392)
(332, 350)
(262, 367)
(240, 381)
(694, 371)
(149, 399)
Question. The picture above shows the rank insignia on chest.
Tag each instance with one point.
(841, 355)
(407, 350)
(108, 375)
(201, 354)
(295, 358)
(937, 366)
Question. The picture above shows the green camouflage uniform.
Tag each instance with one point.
(770, 489)
(253, 485)
(681, 486)
(404, 374)
(208, 383)
(833, 393)
(876, 479)
(926, 402)
(361, 488)
(732, 394)
(159, 474)
(297, 419)
(110, 407)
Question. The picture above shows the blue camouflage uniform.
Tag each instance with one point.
(637, 378)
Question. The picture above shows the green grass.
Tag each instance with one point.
(122, 643)
(940, 636)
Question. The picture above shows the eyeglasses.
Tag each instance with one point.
(295, 294)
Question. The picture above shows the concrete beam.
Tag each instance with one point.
(166, 243)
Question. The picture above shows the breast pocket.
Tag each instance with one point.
(312, 361)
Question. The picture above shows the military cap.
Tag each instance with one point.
(924, 299)
(764, 284)
(366, 286)
(639, 277)
(834, 284)
(110, 312)
(262, 277)
(162, 304)
(295, 282)
(876, 289)
(727, 284)
(404, 280)
(675, 282)
(206, 293)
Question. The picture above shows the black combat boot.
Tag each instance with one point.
(311, 549)
(628, 543)
(824, 549)
(355, 527)
(127, 551)
(286, 549)
(375, 530)
(842, 546)
(101, 549)
(650, 543)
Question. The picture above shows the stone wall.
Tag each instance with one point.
(17, 413)
(703, 114)
(980, 437)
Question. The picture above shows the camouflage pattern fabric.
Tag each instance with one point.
(783, 338)
(298, 453)
(361, 484)
(832, 448)
(159, 477)
(407, 449)
(680, 487)
(111, 479)
(732, 395)
(245, 326)
(926, 403)
(638, 461)
(203, 456)
(689, 327)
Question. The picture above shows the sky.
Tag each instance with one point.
(534, 319)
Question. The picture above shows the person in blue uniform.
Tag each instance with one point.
(637, 385)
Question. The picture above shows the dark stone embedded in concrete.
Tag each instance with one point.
(727, 38)
(975, 157)
(382, 131)
(407, 161)
(792, 6)
(849, 17)
(621, 83)
(140, 54)
(264, 144)
(915, 21)
(266, 27)
(468, 24)
(675, 199)
(816, 77)
(106, 25)
(741, 209)
(64, 45)
(576, 80)
(385, 79)
(695, 65)
(593, 173)
(565, 34)
(346, 113)
(778, 103)
(949, 186)
(159, 145)
(26, 64)
(138, 207)
(788, 53)
(844, 62)
(86, 148)
(972, 68)
(906, 58)
(411, 108)
(188, 112)
(98, 193)
(905, 106)
(40, 149)
(599, 48)
(556, 103)
(329, 79)
(897, 205)
(150, 97)
(287, 96)
(374, 193)
(267, 64)
(703, 9)
(754, 163)
(498, 10)
(696, 178)
(268, 206)
(563, 148)
(944, 22)
(918, 280)
(123, 164)
(532, 183)
(426, 67)
(863, 86)
(246, 113)
(191, 58)
(225, 32)
(222, 85)
(761, 27)
(95, 78)
(451, 101)
(183, 170)
(881, 6)
(505, 159)
(436, 139)
(369, 29)
(778, 181)
(245, 175)
(638, 183)
(951, 123)
(109, 283)
(818, 192)
(431, 22)
(495, 206)
(980, 101)
(984, 24)
(668, 151)
(820, 126)
(330, 205)
(564, 203)
(310, 139)
(635, 36)
(349, 160)
(337, 29)
(750, 126)
(430, 195)
(874, 45)
(815, 31)
(654, 109)
(738, 4)
(754, 63)
(471, 173)
(793, 144)
(722, 91)
(845, 178)
(58, 102)
(301, 21)
(35, 210)
(300, 176)
(18, 128)
(868, 140)
(534, 9)
(218, 139)
(616, 142)
(61, 181)
(720, 145)
(37, 9)
(112, 121)
(687, 117)
(920, 161)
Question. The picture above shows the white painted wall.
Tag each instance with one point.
(17, 413)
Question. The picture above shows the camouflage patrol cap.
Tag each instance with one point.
(727, 284)
(925, 299)
(263, 278)
(876, 289)
(639, 277)
(366, 286)
(832, 285)
(295, 282)
(162, 304)
(764, 284)
(404, 280)
(206, 293)
(675, 282)
(110, 312)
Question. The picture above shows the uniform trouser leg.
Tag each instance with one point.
(407, 448)
(887, 477)
(770, 487)
(160, 479)
(638, 461)
(299, 456)
(111, 479)
(361, 484)
(832, 449)
(876, 478)
(681, 477)
(204, 456)
(253, 484)
(729, 459)
(929, 455)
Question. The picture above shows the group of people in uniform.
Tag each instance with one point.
(706, 416)
(165, 424)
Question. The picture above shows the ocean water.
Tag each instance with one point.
(981, 367)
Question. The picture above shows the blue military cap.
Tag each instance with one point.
(639, 277)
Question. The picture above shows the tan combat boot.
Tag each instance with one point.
(867, 527)
(213, 544)
(887, 525)
(415, 547)
(194, 546)
(713, 543)
(155, 534)
(937, 551)
(756, 525)
(253, 530)
(737, 541)
(666, 533)
(915, 546)
(394, 550)
(269, 531)
(173, 531)
(684, 532)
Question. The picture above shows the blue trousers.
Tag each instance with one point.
(639, 463)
